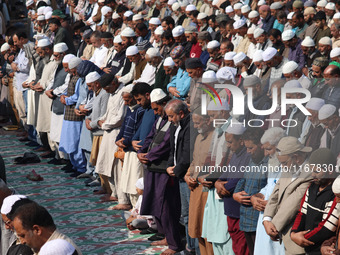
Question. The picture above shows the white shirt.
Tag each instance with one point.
(148, 75)
(63, 88)
(22, 75)
(99, 56)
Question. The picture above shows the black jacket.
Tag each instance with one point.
(184, 150)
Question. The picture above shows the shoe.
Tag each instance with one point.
(70, 171)
(83, 175)
(148, 231)
(94, 183)
(33, 176)
(28, 158)
(67, 167)
(64, 162)
(156, 237)
(53, 161)
(75, 174)
(90, 179)
(40, 148)
(31, 144)
(49, 155)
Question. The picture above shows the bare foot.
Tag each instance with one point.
(162, 242)
(108, 198)
(168, 252)
(122, 207)
(99, 192)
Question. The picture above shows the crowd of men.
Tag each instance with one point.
(117, 93)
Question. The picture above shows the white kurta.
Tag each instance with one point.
(45, 103)
(132, 171)
(32, 100)
(99, 56)
(113, 118)
(56, 126)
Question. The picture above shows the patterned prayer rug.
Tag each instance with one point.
(75, 210)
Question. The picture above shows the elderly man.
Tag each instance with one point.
(180, 39)
(292, 71)
(332, 93)
(161, 196)
(335, 35)
(293, 43)
(215, 60)
(309, 51)
(100, 52)
(288, 192)
(329, 117)
(191, 35)
(30, 217)
(263, 243)
(251, 183)
(325, 46)
(261, 37)
(311, 226)
(318, 86)
(203, 39)
(108, 166)
(241, 28)
(132, 168)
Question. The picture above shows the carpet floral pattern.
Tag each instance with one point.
(75, 210)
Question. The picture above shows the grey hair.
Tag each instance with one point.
(176, 106)
(273, 136)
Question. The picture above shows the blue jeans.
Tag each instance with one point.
(192, 243)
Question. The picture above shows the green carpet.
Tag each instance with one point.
(74, 208)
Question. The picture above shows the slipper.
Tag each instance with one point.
(33, 176)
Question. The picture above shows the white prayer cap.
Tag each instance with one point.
(229, 9)
(258, 32)
(47, 9)
(215, 2)
(250, 31)
(326, 111)
(43, 43)
(276, 6)
(159, 30)
(202, 15)
(8, 203)
(101, 1)
(212, 106)
(335, 52)
(238, 6)
(289, 67)
(229, 55)
(117, 39)
(41, 17)
(336, 185)
(48, 15)
(336, 15)
(269, 53)
(127, 89)
(5, 47)
(156, 95)
(40, 10)
(321, 3)
(236, 128)
(213, 44)
(67, 58)
(209, 77)
(288, 35)
(325, 41)
(177, 31)
(146, 1)
(132, 50)
(57, 247)
(137, 17)
(190, 8)
(92, 77)
(140, 183)
(245, 9)
(308, 42)
(290, 15)
(171, 2)
(169, 62)
(153, 52)
(239, 57)
(293, 84)
(226, 74)
(239, 23)
(175, 6)
(29, 2)
(257, 57)
(251, 80)
(128, 32)
(74, 62)
(315, 104)
(155, 21)
(261, 2)
(60, 47)
(105, 10)
(253, 14)
(183, 3)
(128, 13)
(115, 15)
(330, 6)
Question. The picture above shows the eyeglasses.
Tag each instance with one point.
(56, 55)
